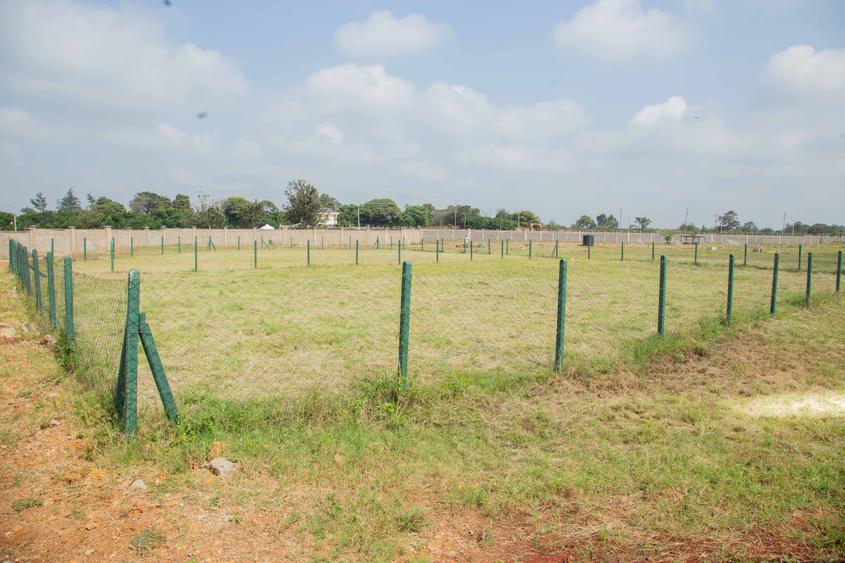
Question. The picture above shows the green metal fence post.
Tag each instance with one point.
(471, 245)
(162, 245)
(530, 248)
(561, 316)
(502, 250)
(773, 302)
(800, 252)
(308, 252)
(730, 304)
(111, 253)
(404, 324)
(661, 299)
(69, 332)
(196, 257)
(436, 250)
(652, 251)
(179, 244)
(838, 271)
(621, 251)
(255, 254)
(51, 289)
(84, 249)
(745, 255)
(53, 245)
(695, 256)
(356, 251)
(131, 246)
(239, 242)
(151, 352)
(26, 271)
(36, 278)
(126, 393)
(507, 247)
(809, 279)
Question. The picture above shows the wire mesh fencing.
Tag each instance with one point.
(247, 333)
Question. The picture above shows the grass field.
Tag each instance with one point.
(151, 259)
(249, 333)
(719, 442)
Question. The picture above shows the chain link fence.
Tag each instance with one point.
(280, 330)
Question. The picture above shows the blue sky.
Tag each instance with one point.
(563, 108)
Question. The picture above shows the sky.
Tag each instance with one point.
(664, 109)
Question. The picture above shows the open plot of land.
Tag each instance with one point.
(727, 445)
(267, 332)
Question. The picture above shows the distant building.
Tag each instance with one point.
(328, 217)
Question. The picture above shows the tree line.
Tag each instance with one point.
(305, 206)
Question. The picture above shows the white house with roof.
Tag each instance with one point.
(328, 217)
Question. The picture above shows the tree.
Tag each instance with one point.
(380, 212)
(39, 203)
(329, 202)
(242, 213)
(7, 221)
(729, 221)
(105, 211)
(348, 216)
(209, 215)
(70, 203)
(749, 227)
(584, 222)
(642, 222)
(606, 221)
(417, 215)
(525, 219)
(688, 227)
(303, 206)
(149, 203)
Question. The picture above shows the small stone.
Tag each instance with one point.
(25, 327)
(89, 552)
(54, 423)
(221, 466)
(139, 485)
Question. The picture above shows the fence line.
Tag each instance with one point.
(77, 242)
(268, 332)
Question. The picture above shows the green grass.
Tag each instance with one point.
(20, 505)
(147, 541)
(671, 451)
(273, 332)
(642, 443)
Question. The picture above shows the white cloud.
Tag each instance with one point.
(361, 88)
(105, 57)
(672, 109)
(802, 70)
(382, 35)
(616, 31)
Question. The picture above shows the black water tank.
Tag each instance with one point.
(587, 240)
